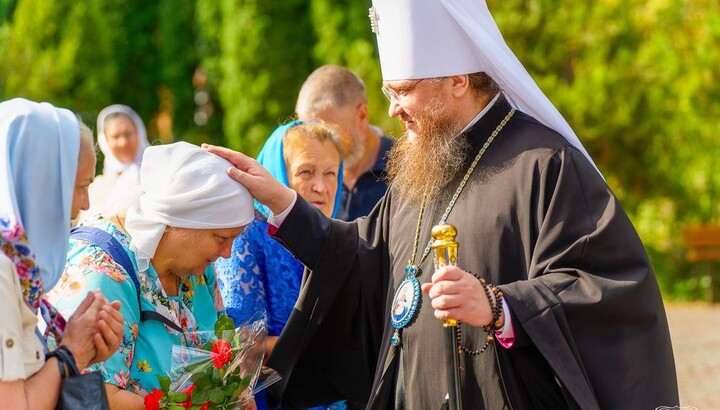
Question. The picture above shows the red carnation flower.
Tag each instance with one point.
(152, 400)
(220, 353)
(205, 406)
(188, 403)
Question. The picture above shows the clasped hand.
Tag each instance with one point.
(94, 331)
(459, 295)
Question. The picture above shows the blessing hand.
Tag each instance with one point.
(458, 295)
(263, 186)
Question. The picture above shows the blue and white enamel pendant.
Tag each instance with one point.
(404, 305)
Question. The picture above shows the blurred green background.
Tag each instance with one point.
(637, 79)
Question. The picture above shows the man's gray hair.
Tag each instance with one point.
(329, 86)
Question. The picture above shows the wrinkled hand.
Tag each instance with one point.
(263, 186)
(110, 331)
(458, 295)
(81, 328)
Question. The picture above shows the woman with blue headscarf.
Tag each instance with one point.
(262, 277)
(47, 161)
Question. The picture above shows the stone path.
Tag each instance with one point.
(695, 333)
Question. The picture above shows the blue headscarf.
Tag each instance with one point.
(271, 157)
(39, 148)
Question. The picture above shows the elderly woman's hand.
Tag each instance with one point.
(110, 327)
(82, 327)
(266, 189)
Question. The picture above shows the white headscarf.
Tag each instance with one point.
(438, 38)
(39, 149)
(112, 165)
(183, 186)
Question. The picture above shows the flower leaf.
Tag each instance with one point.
(216, 379)
(203, 379)
(164, 382)
(224, 327)
(245, 382)
(234, 391)
(200, 396)
(208, 345)
(217, 396)
(177, 396)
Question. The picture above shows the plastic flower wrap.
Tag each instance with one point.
(219, 375)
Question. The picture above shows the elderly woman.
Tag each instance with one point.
(47, 161)
(186, 216)
(122, 139)
(261, 275)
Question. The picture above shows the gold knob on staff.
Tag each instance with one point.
(446, 248)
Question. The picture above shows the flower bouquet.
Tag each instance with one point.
(218, 375)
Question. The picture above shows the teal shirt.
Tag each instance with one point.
(146, 346)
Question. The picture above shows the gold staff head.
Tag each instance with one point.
(443, 236)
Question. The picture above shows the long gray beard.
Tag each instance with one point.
(429, 162)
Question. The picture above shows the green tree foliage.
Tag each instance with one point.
(86, 55)
(52, 50)
(134, 54)
(256, 51)
(177, 60)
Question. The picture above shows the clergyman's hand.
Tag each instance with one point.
(263, 186)
(458, 295)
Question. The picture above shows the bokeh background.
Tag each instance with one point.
(639, 81)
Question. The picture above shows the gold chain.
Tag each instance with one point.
(457, 193)
(417, 230)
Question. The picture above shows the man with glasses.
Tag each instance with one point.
(336, 95)
(558, 305)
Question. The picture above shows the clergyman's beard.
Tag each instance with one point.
(428, 162)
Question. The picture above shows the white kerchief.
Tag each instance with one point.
(39, 148)
(111, 165)
(438, 38)
(183, 186)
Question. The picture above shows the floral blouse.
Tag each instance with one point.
(146, 345)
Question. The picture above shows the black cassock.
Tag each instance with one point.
(535, 218)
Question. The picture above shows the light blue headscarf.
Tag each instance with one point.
(39, 149)
(271, 157)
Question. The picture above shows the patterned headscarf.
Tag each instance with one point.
(272, 158)
(39, 149)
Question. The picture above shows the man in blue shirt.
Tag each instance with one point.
(336, 95)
